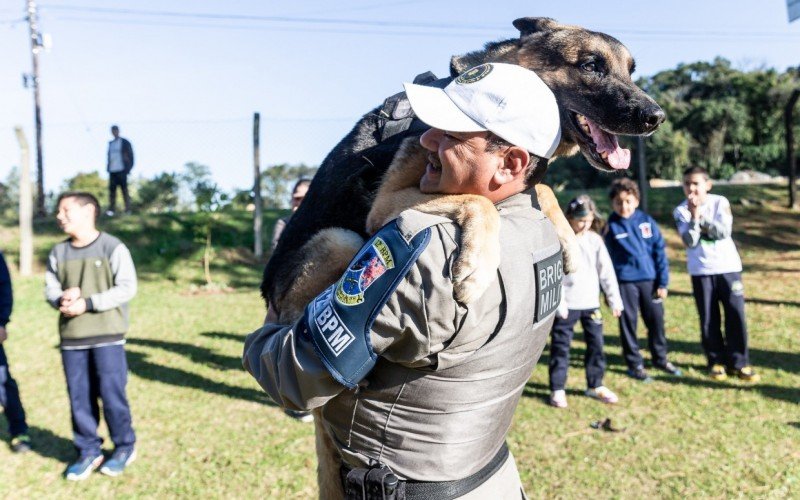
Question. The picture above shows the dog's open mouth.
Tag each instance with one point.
(604, 145)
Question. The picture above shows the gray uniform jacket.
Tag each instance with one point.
(439, 402)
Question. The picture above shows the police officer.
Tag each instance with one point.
(418, 390)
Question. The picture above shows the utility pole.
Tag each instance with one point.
(258, 248)
(643, 184)
(790, 156)
(36, 47)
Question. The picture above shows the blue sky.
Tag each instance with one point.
(182, 79)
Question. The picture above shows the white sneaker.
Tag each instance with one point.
(558, 398)
(603, 394)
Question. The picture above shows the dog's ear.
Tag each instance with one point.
(531, 25)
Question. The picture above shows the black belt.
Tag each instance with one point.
(444, 490)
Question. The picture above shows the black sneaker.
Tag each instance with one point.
(640, 374)
(21, 443)
(670, 368)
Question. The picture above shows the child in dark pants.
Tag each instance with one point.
(580, 302)
(705, 224)
(9, 392)
(637, 251)
(90, 279)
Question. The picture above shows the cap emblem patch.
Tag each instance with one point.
(474, 74)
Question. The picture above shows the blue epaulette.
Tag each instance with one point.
(338, 321)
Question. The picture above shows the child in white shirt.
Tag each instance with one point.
(705, 224)
(580, 301)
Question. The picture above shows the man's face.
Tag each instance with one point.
(696, 187)
(115, 132)
(73, 217)
(458, 163)
(298, 196)
(624, 204)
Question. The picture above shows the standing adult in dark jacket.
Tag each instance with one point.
(120, 163)
(637, 250)
(9, 392)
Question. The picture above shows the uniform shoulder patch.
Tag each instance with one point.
(339, 320)
(370, 264)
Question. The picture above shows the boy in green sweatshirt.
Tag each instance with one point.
(90, 279)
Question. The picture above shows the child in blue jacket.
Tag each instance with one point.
(636, 248)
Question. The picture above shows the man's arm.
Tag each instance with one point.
(288, 363)
(285, 365)
(127, 155)
(125, 284)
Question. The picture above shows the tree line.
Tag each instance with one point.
(190, 189)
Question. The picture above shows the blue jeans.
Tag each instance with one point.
(98, 372)
(9, 399)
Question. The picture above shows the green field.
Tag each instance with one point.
(205, 429)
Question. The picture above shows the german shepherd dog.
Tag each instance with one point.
(590, 75)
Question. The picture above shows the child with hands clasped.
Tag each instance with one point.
(580, 301)
(705, 224)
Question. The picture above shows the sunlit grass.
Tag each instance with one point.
(205, 430)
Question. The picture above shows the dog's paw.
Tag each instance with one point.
(475, 269)
(570, 252)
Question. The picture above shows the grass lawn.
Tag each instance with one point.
(205, 429)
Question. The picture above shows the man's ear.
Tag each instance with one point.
(709, 185)
(515, 161)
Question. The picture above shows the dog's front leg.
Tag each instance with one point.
(569, 242)
(328, 462)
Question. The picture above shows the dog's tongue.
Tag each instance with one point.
(619, 158)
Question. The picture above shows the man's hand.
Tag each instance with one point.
(76, 308)
(616, 312)
(661, 293)
(69, 296)
(3, 334)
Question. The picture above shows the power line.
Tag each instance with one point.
(104, 11)
(278, 19)
(130, 22)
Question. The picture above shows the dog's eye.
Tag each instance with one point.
(591, 67)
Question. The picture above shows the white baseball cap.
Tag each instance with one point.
(508, 100)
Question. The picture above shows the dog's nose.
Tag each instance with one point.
(653, 117)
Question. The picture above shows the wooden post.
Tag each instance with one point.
(790, 156)
(643, 184)
(258, 247)
(25, 207)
